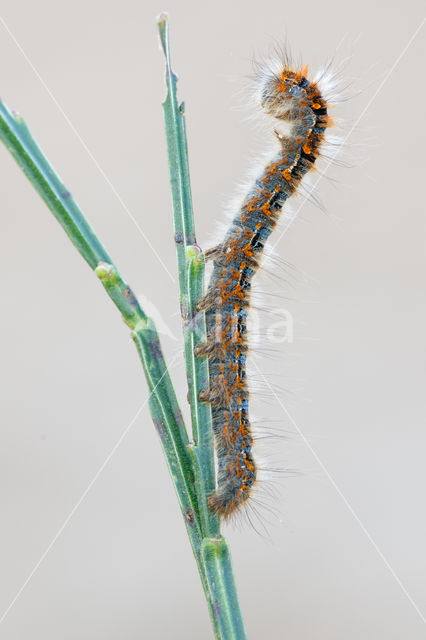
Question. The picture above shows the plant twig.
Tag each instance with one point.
(191, 283)
(18, 140)
(216, 564)
(220, 578)
(202, 451)
(165, 410)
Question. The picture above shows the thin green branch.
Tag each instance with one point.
(198, 378)
(166, 412)
(18, 140)
(178, 160)
(191, 283)
(220, 578)
(215, 564)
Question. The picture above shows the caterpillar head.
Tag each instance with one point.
(283, 94)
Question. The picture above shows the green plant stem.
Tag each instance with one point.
(219, 584)
(220, 578)
(191, 284)
(178, 160)
(18, 140)
(165, 409)
(198, 378)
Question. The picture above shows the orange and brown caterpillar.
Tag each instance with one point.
(291, 98)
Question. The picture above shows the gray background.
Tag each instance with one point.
(353, 379)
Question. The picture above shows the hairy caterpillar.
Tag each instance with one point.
(298, 103)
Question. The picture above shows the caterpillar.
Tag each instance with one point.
(296, 102)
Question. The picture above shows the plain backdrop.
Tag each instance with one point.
(349, 520)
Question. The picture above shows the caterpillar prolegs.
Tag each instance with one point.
(291, 98)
